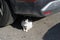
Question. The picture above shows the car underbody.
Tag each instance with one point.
(26, 8)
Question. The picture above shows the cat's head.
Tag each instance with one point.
(26, 20)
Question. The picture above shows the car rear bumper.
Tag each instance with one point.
(50, 8)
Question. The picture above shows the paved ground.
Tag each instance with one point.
(44, 29)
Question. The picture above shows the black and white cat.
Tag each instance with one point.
(27, 25)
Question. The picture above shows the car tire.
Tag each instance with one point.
(6, 18)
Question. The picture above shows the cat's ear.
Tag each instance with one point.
(26, 20)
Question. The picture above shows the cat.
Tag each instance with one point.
(27, 25)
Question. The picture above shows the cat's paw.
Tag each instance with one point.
(25, 30)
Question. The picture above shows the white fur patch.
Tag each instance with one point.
(27, 25)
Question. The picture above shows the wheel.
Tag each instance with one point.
(5, 14)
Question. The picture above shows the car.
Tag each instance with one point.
(31, 8)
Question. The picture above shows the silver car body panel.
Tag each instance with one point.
(53, 6)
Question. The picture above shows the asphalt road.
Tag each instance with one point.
(47, 28)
